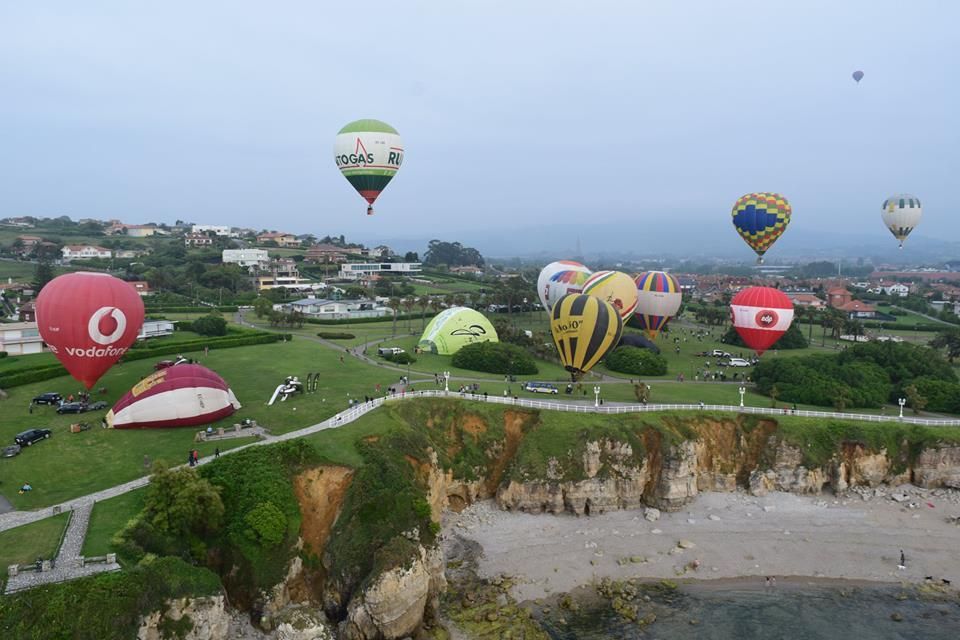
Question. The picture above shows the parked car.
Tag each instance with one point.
(540, 387)
(737, 362)
(71, 407)
(164, 364)
(48, 398)
(28, 437)
(97, 406)
(718, 353)
(389, 351)
(9, 452)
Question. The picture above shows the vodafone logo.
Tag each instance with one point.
(95, 330)
(767, 318)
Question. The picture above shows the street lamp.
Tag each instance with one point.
(596, 396)
(446, 382)
(743, 390)
(902, 401)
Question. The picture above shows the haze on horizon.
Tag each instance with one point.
(653, 115)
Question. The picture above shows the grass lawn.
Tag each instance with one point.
(108, 518)
(25, 544)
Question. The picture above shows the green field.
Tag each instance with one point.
(25, 544)
(108, 518)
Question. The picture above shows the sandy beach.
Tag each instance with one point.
(722, 536)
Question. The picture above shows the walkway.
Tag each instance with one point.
(66, 566)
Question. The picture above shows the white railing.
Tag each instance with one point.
(646, 408)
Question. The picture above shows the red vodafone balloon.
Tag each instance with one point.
(761, 315)
(88, 321)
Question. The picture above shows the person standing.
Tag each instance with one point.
(216, 452)
(190, 458)
(903, 561)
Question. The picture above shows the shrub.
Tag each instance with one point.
(268, 524)
(641, 362)
(210, 325)
(336, 335)
(399, 358)
(494, 357)
(3, 354)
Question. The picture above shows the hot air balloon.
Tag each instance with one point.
(179, 396)
(901, 213)
(761, 315)
(584, 329)
(658, 300)
(88, 320)
(454, 328)
(858, 75)
(761, 218)
(558, 279)
(616, 288)
(368, 153)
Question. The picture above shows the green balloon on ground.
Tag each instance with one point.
(455, 327)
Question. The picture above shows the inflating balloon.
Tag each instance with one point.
(761, 218)
(88, 321)
(901, 213)
(858, 76)
(659, 300)
(584, 329)
(558, 279)
(761, 315)
(616, 288)
(368, 153)
(179, 396)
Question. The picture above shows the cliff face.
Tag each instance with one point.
(194, 618)
(719, 456)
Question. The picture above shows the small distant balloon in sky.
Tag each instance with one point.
(858, 75)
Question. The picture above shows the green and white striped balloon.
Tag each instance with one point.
(368, 153)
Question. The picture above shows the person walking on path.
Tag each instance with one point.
(216, 452)
(190, 458)
(903, 561)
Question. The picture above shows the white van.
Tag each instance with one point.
(737, 362)
(389, 351)
(540, 387)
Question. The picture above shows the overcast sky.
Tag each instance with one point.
(514, 113)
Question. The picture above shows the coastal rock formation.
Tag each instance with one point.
(938, 467)
(205, 618)
(394, 605)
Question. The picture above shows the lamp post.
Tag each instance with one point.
(743, 390)
(901, 402)
(446, 382)
(596, 396)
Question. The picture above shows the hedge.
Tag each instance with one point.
(163, 309)
(402, 316)
(494, 357)
(50, 371)
(637, 361)
(336, 335)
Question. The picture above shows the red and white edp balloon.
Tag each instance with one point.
(89, 320)
(761, 315)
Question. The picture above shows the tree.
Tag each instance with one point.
(774, 394)
(411, 256)
(642, 391)
(948, 339)
(424, 303)
(916, 401)
(452, 254)
(42, 274)
(262, 306)
(394, 305)
(408, 304)
(210, 325)
(181, 503)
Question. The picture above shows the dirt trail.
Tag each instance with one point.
(320, 492)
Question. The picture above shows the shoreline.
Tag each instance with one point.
(722, 541)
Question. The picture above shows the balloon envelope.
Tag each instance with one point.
(88, 320)
(761, 315)
(455, 327)
(658, 300)
(761, 218)
(616, 288)
(179, 396)
(559, 278)
(368, 153)
(858, 75)
(584, 329)
(901, 213)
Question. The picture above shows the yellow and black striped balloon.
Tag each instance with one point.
(584, 329)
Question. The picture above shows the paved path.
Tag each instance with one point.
(66, 566)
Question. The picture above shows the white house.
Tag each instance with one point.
(899, 290)
(246, 257)
(20, 338)
(335, 309)
(358, 270)
(217, 230)
(156, 328)
(83, 252)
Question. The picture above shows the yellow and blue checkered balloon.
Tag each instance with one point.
(761, 218)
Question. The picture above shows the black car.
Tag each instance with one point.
(71, 407)
(48, 398)
(30, 436)
(96, 406)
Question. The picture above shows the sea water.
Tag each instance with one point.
(808, 613)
